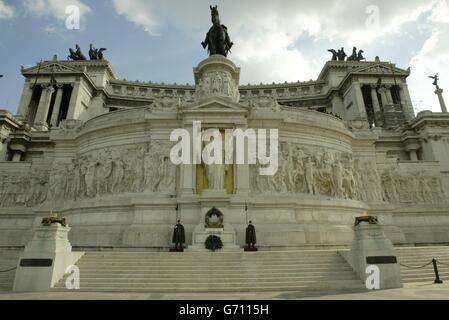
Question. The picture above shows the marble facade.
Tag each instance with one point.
(98, 152)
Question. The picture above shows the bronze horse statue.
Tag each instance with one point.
(217, 39)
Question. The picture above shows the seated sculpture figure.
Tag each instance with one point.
(76, 54)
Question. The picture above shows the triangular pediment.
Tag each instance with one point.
(51, 68)
(215, 104)
(381, 69)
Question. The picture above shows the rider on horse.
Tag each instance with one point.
(217, 39)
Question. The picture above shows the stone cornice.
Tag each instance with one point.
(363, 67)
(68, 67)
(430, 119)
(7, 119)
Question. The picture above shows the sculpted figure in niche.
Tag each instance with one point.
(438, 191)
(415, 190)
(427, 193)
(298, 170)
(359, 182)
(200, 88)
(376, 182)
(89, 177)
(349, 182)
(287, 183)
(38, 189)
(138, 173)
(167, 175)
(70, 185)
(207, 85)
(118, 173)
(151, 167)
(215, 174)
(309, 175)
(227, 85)
(216, 83)
(338, 180)
(390, 193)
(77, 179)
(104, 172)
(57, 182)
(324, 177)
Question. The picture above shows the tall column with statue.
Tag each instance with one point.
(439, 93)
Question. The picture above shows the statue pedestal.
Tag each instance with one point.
(371, 247)
(226, 234)
(439, 93)
(45, 259)
(209, 193)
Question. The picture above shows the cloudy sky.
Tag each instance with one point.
(275, 41)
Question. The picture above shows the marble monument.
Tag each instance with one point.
(97, 149)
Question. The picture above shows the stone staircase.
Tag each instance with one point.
(8, 260)
(419, 256)
(302, 270)
(215, 272)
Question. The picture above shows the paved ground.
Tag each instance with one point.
(414, 291)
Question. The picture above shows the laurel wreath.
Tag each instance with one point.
(214, 243)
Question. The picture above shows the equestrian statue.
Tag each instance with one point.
(217, 39)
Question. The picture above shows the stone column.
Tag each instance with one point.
(74, 101)
(439, 93)
(57, 106)
(413, 155)
(376, 106)
(3, 147)
(383, 96)
(44, 106)
(412, 146)
(389, 95)
(187, 183)
(406, 102)
(25, 100)
(359, 100)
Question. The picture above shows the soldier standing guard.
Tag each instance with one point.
(251, 237)
(179, 237)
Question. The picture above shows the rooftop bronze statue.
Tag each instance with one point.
(353, 56)
(435, 82)
(217, 39)
(334, 54)
(341, 54)
(76, 54)
(96, 54)
(360, 56)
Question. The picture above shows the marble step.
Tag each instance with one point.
(210, 279)
(180, 263)
(197, 276)
(224, 272)
(176, 256)
(191, 272)
(191, 269)
(215, 288)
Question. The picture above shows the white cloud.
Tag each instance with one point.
(6, 11)
(432, 58)
(54, 8)
(269, 35)
(138, 12)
